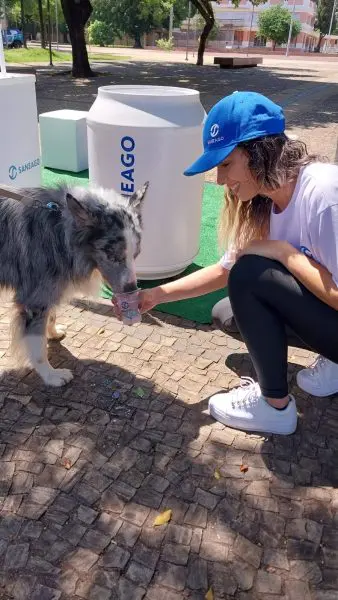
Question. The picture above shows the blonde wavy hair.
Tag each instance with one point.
(274, 161)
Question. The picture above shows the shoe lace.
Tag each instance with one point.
(317, 367)
(246, 394)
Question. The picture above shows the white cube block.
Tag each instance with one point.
(63, 136)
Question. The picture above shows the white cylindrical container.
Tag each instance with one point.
(152, 133)
(20, 147)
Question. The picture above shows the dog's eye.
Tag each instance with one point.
(115, 249)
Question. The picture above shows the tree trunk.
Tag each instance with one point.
(320, 39)
(251, 21)
(203, 40)
(137, 40)
(42, 25)
(23, 25)
(77, 13)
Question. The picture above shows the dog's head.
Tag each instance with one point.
(108, 226)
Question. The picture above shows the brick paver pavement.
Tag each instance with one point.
(85, 470)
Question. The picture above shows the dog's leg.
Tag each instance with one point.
(54, 332)
(30, 336)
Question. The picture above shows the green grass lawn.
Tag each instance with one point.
(39, 55)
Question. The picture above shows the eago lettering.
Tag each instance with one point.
(127, 163)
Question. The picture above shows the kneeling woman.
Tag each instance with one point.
(280, 221)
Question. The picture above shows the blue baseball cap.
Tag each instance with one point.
(237, 118)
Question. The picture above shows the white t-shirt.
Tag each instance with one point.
(310, 221)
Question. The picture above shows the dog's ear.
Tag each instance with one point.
(136, 199)
(78, 211)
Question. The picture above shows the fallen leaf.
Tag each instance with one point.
(163, 518)
(67, 464)
(139, 392)
(209, 595)
(217, 474)
(243, 468)
(101, 331)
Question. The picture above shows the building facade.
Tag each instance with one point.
(239, 26)
(235, 22)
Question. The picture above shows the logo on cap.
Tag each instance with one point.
(214, 130)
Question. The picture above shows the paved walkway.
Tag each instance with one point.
(153, 54)
(85, 470)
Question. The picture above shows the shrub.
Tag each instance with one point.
(100, 34)
(163, 44)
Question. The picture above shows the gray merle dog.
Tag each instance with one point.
(54, 242)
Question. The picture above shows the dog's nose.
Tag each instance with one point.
(131, 286)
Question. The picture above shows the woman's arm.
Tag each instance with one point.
(196, 284)
(199, 283)
(316, 278)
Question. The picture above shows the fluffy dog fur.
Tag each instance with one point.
(53, 242)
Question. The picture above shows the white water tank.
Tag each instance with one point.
(152, 133)
(19, 145)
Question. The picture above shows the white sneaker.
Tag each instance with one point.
(245, 408)
(223, 317)
(321, 379)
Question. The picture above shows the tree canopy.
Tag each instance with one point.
(274, 24)
(323, 19)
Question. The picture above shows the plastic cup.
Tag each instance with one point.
(128, 305)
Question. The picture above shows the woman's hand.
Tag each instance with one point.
(147, 299)
(274, 249)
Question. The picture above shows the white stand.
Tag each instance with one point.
(63, 135)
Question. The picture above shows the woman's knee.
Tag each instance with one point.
(247, 271)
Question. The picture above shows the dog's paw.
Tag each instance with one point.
(58, 377)
(57, 333)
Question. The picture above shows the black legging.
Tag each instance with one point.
(265, 298)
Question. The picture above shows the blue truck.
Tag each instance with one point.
(12, 38)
